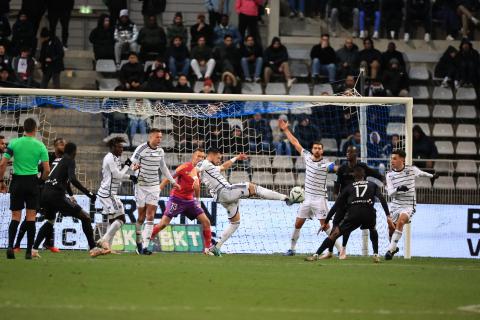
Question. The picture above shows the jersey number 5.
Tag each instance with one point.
(359, 193)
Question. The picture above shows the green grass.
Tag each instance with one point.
(70, 285)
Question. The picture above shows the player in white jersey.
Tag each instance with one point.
(151, 158)
(315, 204)
(401, 188)
(113, 172)
(229, 195)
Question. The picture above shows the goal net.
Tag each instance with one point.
(232, 124)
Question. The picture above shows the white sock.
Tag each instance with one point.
(227, 233)
(112, 230)
(295, 236)
(337, 243)
(147, 232)
(138, 232)
(269, 194)
(394, 242)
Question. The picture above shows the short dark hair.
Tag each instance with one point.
(250, 36)
(213, 150)
(325, 35)
(396, 135)
(155, 130)
(70, 148)
(400, 153)
(227, 36)
(199, 150)
(317, 142)
(114, 141)
(29, 125)
(2, 137)
(57, 140)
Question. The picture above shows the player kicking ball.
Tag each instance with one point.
(182, 201)
(229, 195)
(315, 204)
(401, 188)
(358, 199)
(113, 172)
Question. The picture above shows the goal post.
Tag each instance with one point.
(363, 114)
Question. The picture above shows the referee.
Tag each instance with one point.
(26, 152)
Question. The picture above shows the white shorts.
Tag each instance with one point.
(229, 197)
(396, 211)
(112, 207)
(313, 209)
(147, 195)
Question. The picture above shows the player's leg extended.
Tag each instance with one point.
(164, 222)
(330, 229)
(403, 219)
(115, 224)
(329, 241)
(12, 232)
(227, 233)
(265, 193)
(299, 222)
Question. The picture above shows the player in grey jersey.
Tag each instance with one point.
(401, 188)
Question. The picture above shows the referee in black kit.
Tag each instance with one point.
(26, 153)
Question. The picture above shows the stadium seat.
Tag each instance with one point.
(419, 92)
(262, 178)
(300, 163)
(171, 159)
(466, 166)
(466, 112)
(442, 111)
(442, 130)
(167, 141)
(8, 120)
(466, 131)
(301, 179)
(239, 177)
(284, 179)
(299, 69)
(397, 110)
(441, 93)
(299, 89)
(423, 183)
(282, 162)
(162, 123)
(319, 89)
(466, 148)
(260, 162)
(419, 73)
(122, 62)
(251, 88)
(198, 86)
(444, 147)
(275, 88)
(329, 145)
(108, 84)
(106, 66)
(138, 139)
(148, 64)
(421, 111)
(466, 183)
(443, 167)
(395, 128)
(444, 182)
(425, 127)
(466, 94)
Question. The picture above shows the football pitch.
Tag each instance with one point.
(70, 285)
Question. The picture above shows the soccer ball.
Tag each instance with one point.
(297, 194)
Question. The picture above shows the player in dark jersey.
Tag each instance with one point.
(182, 201)
(54, 199)
(357, 200)
(56, 155)
(345, 178)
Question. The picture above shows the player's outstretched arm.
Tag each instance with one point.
(283, 125)
(227, 164)
(73, 180)
(420, 173)
(382, 200)
(165, 181)
(167, 174)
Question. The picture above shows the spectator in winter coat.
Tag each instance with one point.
(5, 30)
(224, 28)
(7, 79)
(5, 8)
(392, 53)
(248, 17)
(448, 67)
(23, 35)
(177, 29)
(353, 140)
(114, 7)
(102, 38)
(394, 144)
(152, 40)
(375, 151)
(345, 11)
(51, 58)
(418, 10)
(280, 140)
(159, 63)
(469, 64)
(5, 59)
(183, 86)
(369, 10)
(230, 82)
(252, 56)
(370, 58)
(392, 14)
(395, 80)
(216, 8)
(153, 8)
(23, 66)
(202, 63)
(347, 59)
(34, 9)
(306, 132)
(159, 82)
(323, 59)
(132, 69)
(228, 56)
(261, 138)
(275, 58)
(423, 148)
(201, 29)
(178, 57)
(126, 34)
(60, 11)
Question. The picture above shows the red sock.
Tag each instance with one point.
(156, 230)
(207, 236)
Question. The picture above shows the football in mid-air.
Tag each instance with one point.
(297, 194)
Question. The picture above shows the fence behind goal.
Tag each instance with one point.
(233, 124)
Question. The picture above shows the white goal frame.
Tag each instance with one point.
(326, 100)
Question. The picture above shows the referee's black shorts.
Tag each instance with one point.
(359, 216)
(24, 192)
(54, 201)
